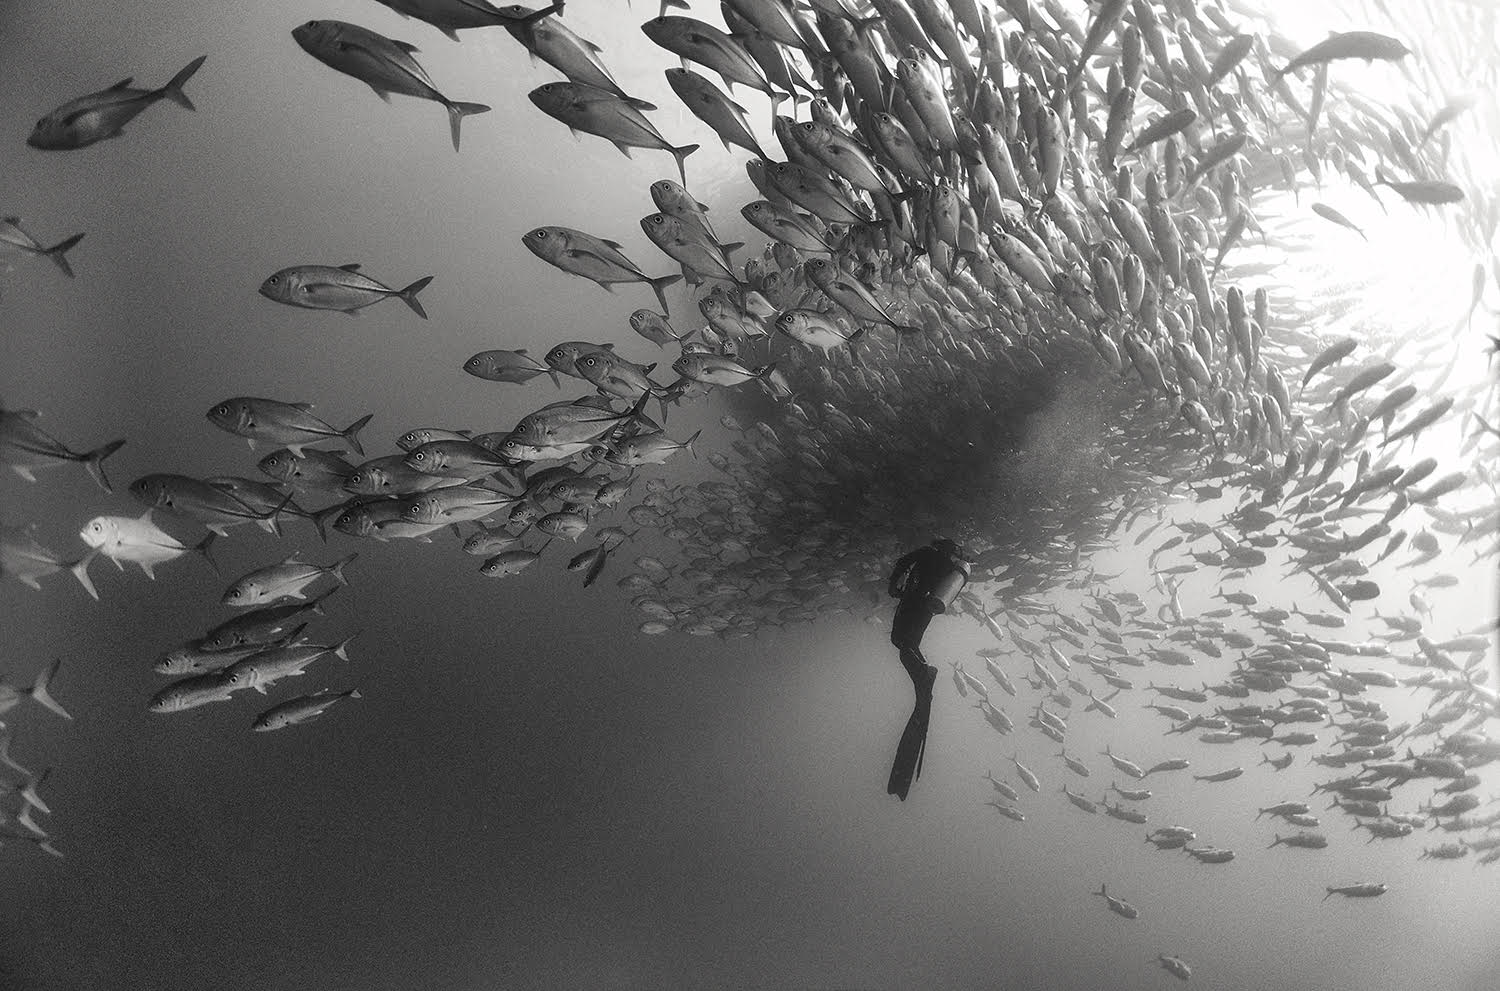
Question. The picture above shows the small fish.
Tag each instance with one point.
(616, 118)
(505, 366)
(1175, 966)
(97, 116)
(287, 580)
(1367, 45)
(1330, 214)
(294, 712)
(599, 260)
(383, 64)
(139, 540)
(1426, 192)
(291, 424)
(1362, 889)
(1117, 905)
(345, 289)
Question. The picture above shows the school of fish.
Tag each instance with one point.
(1020, 289)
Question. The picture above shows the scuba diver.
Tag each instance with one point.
(927, 581)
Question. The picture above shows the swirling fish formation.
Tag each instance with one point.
(1014, 252)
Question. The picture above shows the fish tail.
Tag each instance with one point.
(659, 286)
(94, 462)
(532, 18)
(337, 571)
(39, 693)
(681, 152)
(341, 648)
(202, 548)
(409, 296)
(688, 444)
(80, 570)
(457, 111)
(351, 432)
(59, 253)
(1330, 893)
(173, 90)
(30, 795)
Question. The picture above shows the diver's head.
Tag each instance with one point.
(948, 547)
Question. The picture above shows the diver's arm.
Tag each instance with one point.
(899, 573)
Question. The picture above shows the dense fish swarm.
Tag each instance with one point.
(1028, 263)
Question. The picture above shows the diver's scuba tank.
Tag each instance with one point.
(945, 590)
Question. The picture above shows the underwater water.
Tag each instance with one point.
(533, 792)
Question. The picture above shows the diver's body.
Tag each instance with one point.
(911, 580)
(925, 581)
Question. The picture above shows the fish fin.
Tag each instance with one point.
(23, 472)
(173, 90)
(688, 444)
(58, 253)
(407, 46)
(659, 286)
(532, 18)
(39, 693)
(458, 111)
(337, 570)
(409, 296)
(681, 153)
(340, 648)
(624, 148)
(123, 83)
(351, 267)
(380, 93)
(640, 104)
(29, 793)
(452, 34)
(351, 432)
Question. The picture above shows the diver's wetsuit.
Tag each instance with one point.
(912, 579)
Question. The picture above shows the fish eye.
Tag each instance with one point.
(590, 361)
(540, 235)
(42, 122)
(234, 593)
(97, 527)
(221, 410)
(273, 280)
(420, 456)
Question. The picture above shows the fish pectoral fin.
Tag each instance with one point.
(123, 83)
(23, 472)
(147, 569)
(351, 267)
(406, 46)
